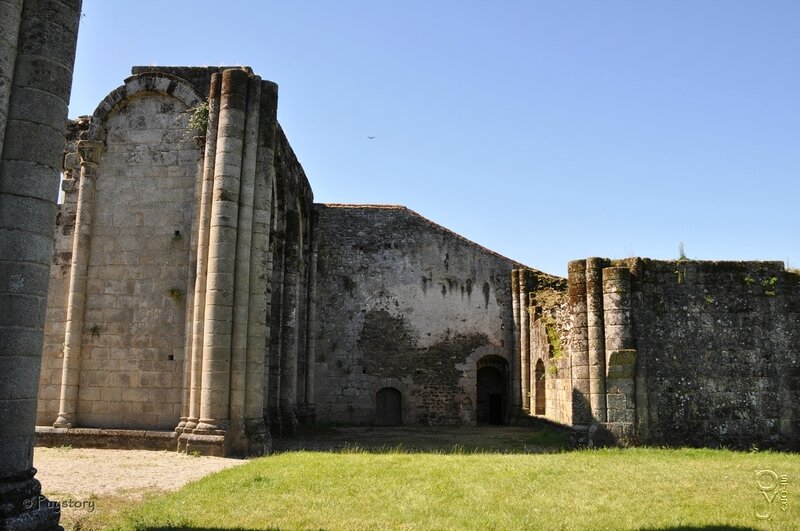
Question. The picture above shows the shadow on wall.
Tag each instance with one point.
(586, 430)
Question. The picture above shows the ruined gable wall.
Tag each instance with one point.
(718, 352)
(138, 266)
(404, 303)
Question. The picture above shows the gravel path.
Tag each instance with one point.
(83, 472)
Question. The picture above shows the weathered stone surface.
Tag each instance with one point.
(200, 288)
(405, 303)
(37, 51)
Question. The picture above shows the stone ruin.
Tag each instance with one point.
(199, 297)
(200, 300)
(678, 352)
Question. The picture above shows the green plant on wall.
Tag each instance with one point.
(198, 121)
(556, 348)
(768, 285)
(175, 294)
(681, 253)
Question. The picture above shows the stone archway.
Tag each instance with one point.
(388, 407)
(492, 390)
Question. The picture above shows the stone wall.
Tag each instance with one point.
(685, 352)
(542, 336)
(183, 241)
(406, 304)
(289, 395)
(118, 304)
(718, 346)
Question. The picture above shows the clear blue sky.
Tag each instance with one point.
(547, 131)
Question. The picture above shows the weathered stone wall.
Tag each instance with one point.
(183, 241)
(404, 303)
(139, 263)
(288, 399)
(685, 352)
(718, 348)
(542, 335)
(137, 214)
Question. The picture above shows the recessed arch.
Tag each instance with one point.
(492, 389)
(140, 84)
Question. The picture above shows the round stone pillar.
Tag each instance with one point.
(89, 152)
(218, 322)
(38, 52)
(596, 336)
(579, 342)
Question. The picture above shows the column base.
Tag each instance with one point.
(22, 506)
(64, 420)
(204, 442)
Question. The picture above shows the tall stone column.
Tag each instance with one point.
(525, 338)
(217, 329)
(277, 310)
(89, 152)
(291, 302)
(534, 326)
(204, 221)
(579, 343)
(257, 374)
(38, 42)
(10, 17)
(518, 376)
(242, 277)
(311, 329)
(597, 345)
(620, 353)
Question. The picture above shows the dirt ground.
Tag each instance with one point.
(93, 486)
(85, 472)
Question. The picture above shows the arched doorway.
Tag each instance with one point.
(388, 407)
(539, 397)
(492, 389)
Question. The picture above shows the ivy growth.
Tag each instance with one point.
(198, 121)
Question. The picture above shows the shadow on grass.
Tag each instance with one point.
(189, 528)
(678, 528)
(428, 439)
(701, 528)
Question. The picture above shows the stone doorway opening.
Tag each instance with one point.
(389, 407)
(492, 391)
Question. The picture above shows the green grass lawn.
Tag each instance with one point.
(592, 489)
